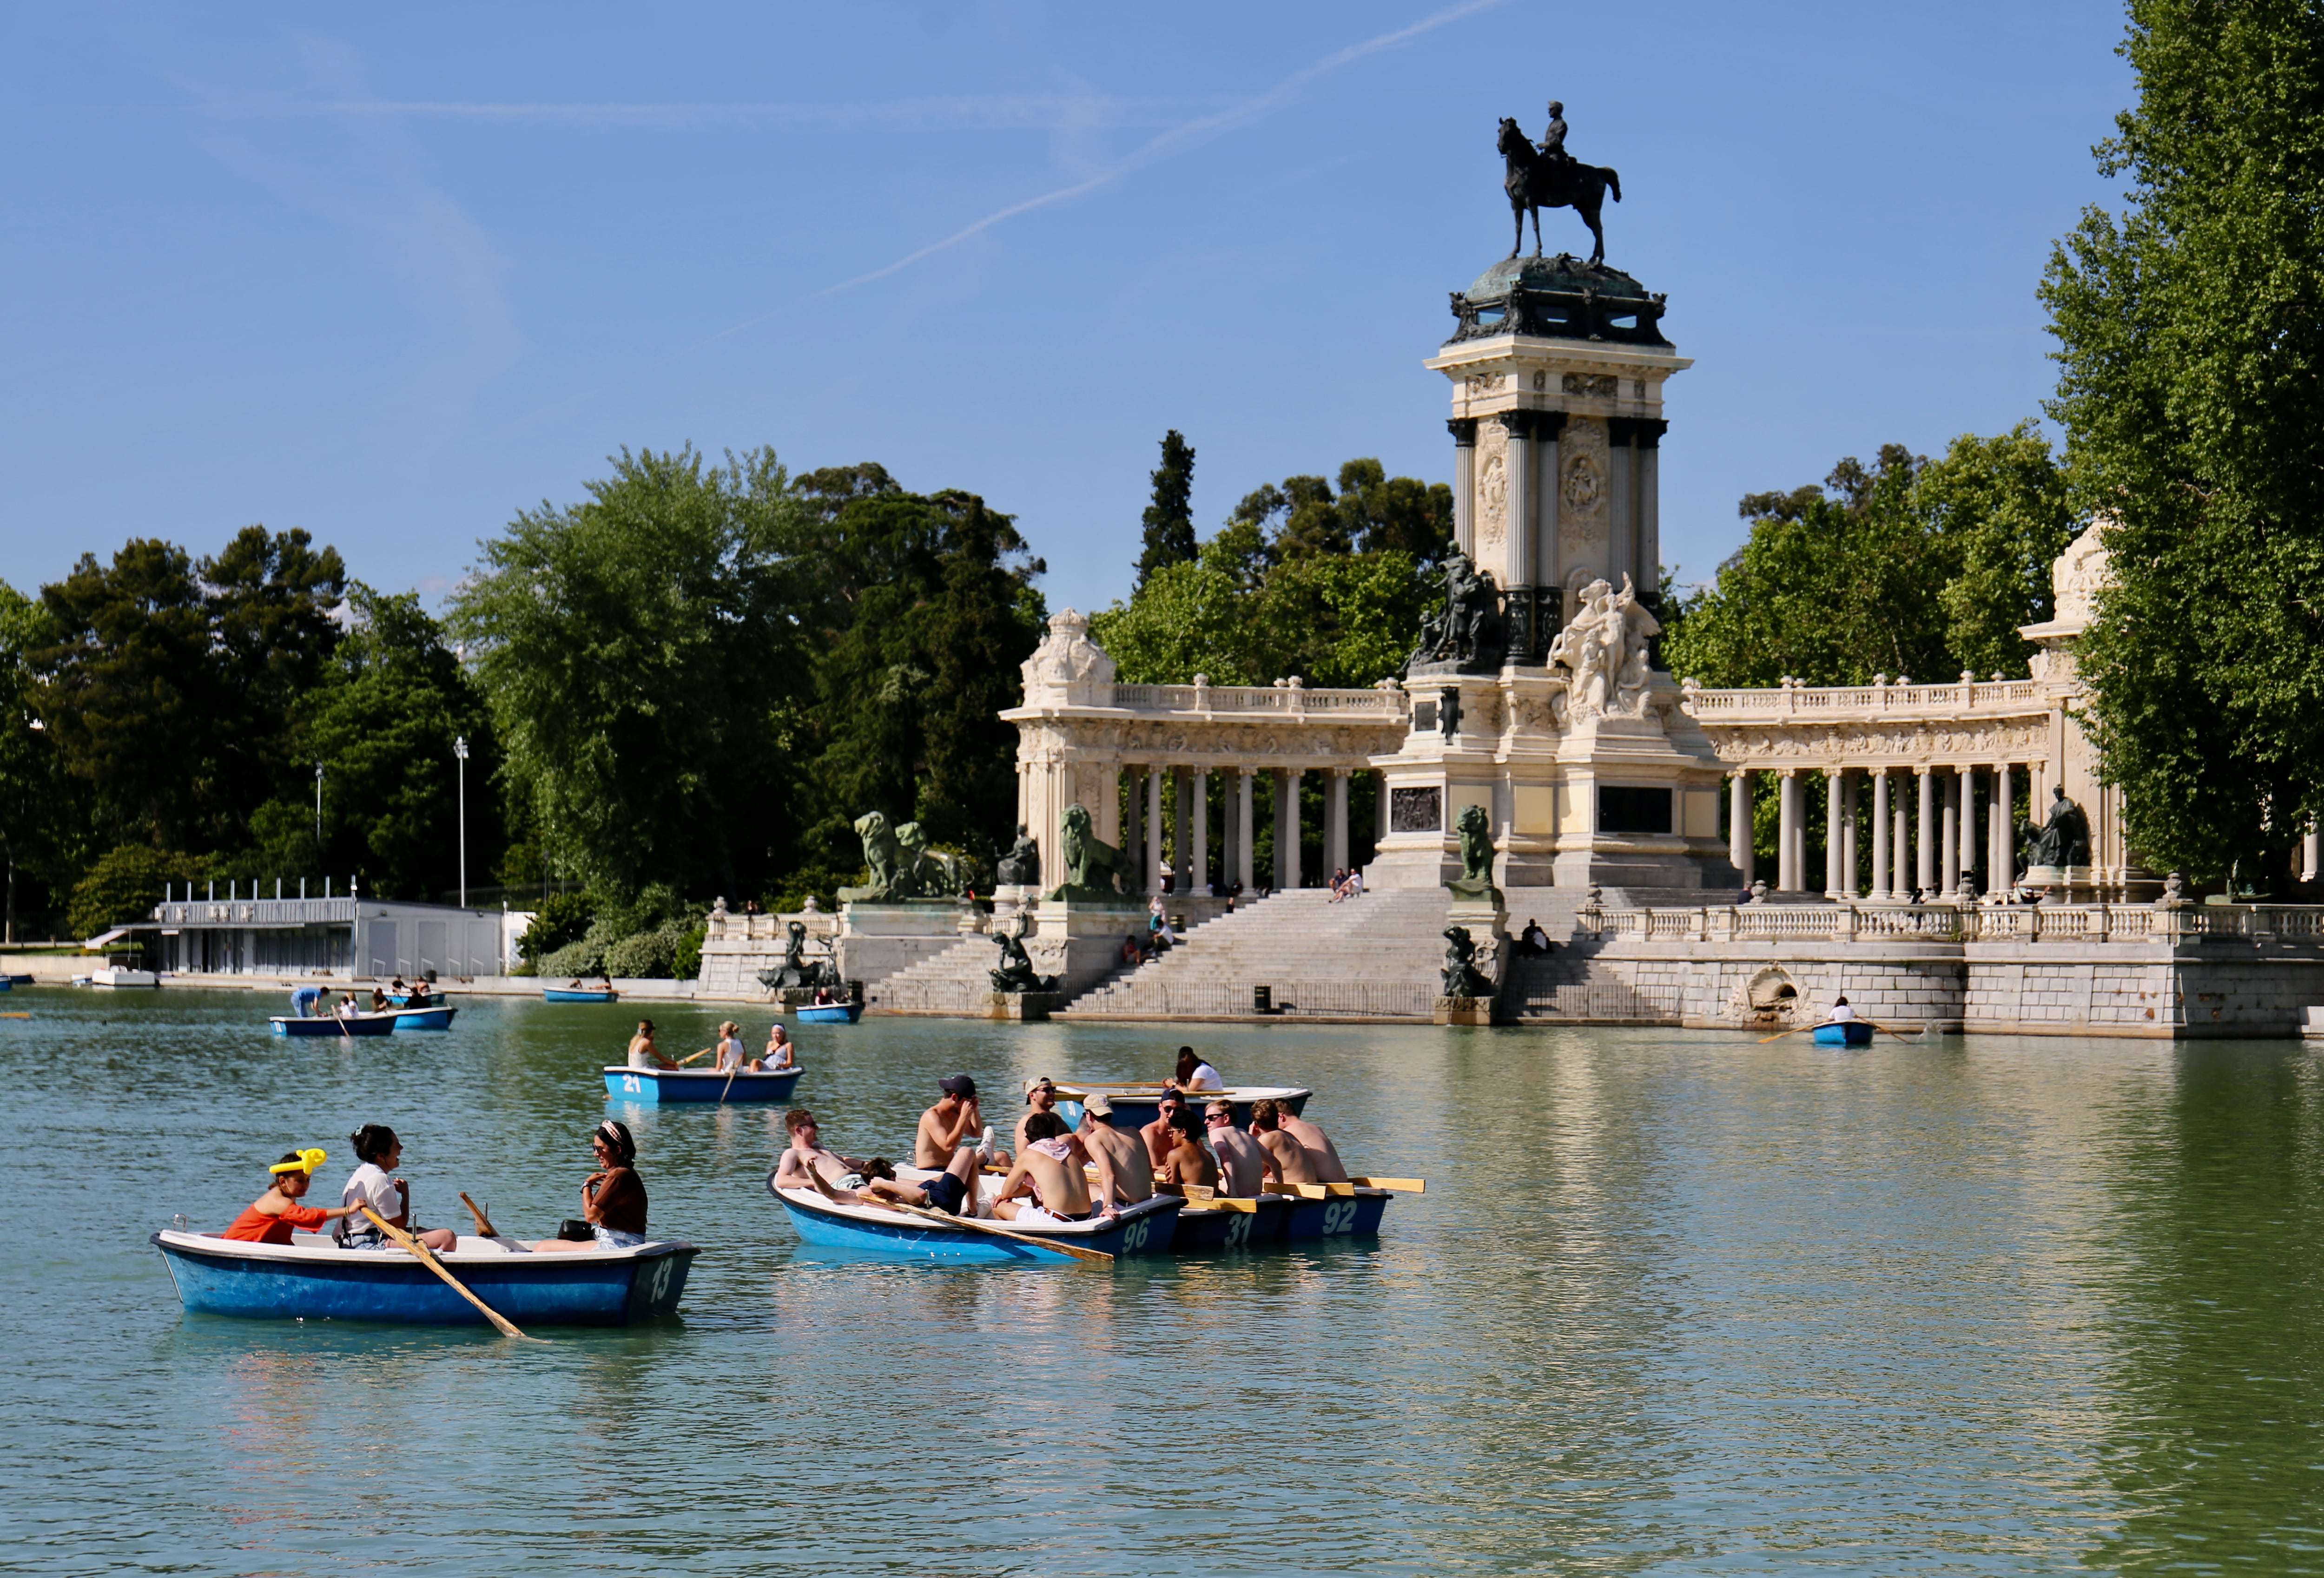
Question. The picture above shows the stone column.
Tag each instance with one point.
(1154, 778)
(2005, 859)
(1791, 874)
(1335, 818)
(2311, 853)
(1182, 827)
(1880, 888)
(1924, 869)
(1901, 855)
(1527, 643)
(1245, 797)
(1548, 559)
(1132, 803)
(1622, 504)
(1848, 822)
(1650, 544)
(1464, 482)
(1952, 847)
(1738, 821)
(1832, 889)
(1202, 860)
(1287, 828)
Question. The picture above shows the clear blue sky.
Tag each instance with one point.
(392, 273)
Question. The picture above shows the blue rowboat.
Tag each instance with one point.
(424, 1018)
(20, 980)
(1355, 1214)
(829, 1012)
(287, 1282)
(659, 1085)
(1207, 1225)
(578, 995)
(416, 999)
(336, 1028)
(1137, 1105)
(7, 982)
(1847, 1032)
(1145, 1228)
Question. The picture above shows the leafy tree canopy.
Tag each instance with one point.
(2190, 333)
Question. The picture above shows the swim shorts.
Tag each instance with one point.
(945, 1192)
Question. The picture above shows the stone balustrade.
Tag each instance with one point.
(1792, 700)
(736, 928)
(1292, 699)
(2283, 924)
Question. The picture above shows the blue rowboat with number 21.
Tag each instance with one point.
(666, 1085)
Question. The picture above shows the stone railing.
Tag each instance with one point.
(254, 912)
(1832, 922)
(735, 928)
(1809, 702)
(1280, 701)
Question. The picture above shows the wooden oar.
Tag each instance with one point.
(723, 1089)
(1408, 1186)
(484, 1222)
(1095, 1256)
(419, 1253)
(15, 1016)
(705, 1052)
(1899, 1034)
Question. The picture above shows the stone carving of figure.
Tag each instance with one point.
(1606, 646)
(1462, 979)
(1475, 830)
(1066, 659)
(1016, 973)
(1021, 867)
(2065, 838)
(797, 969)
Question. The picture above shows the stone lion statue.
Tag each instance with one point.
(1092, 865)
(928, 873)
(1475, 831)
(882, 853)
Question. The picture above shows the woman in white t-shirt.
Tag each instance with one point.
(374, 1183)
(1194, 1074)
(730, 1055)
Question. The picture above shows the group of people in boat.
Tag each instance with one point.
(374, 1200)
(1057, 1174)
(732, 1057)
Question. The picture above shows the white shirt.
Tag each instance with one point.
(1842, 1012)
(1205, 1078)
(369, 1185)
(730, 1054)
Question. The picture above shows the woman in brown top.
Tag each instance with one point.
(613, 1197)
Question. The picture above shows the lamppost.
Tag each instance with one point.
(460, 749)
(318, 813)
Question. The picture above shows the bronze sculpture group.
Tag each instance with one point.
(1545, 176)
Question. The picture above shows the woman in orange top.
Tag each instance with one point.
(269, 1218)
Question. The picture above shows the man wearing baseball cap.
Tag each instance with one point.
(1041, 1097)
(950, 1124)
(1125, 1175)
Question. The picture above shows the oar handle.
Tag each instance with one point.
(506, 1327)
(484, 1222)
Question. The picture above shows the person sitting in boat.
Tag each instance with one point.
(397, 988)
(1194, 1074)
(806, 1157)
(1842, 1012)
(1047, 1185)
(1244, 1164)
(1321, 1154)
(779, 1056)
(730, 1055)
(372, 1183)
(348, 1008)
(613, 1197)
(643, 1053)
(605, 982)
(1292, 1162)
(945, 1127)
(574, 985)
(379, 1002)
(1041, 1097)
(1125, 1173)
(1160, 1135)
(269, 1218)
(1190, 1161)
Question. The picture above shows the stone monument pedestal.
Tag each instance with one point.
(1078, 942)
(877, 940)
(2062, 885)
(1026, 1006)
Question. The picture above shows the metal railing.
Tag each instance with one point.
(254, 912)
(1293, 999)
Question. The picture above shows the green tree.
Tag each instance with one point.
(40, 826)
(1169, 520)
(2191, 331)
(2000, 507)
(270, 600)
(123, 886)
(634, 649)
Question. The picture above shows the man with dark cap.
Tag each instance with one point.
(949, 1124)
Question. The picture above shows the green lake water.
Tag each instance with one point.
(1673, 1303)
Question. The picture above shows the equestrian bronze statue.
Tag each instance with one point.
(1549, 177)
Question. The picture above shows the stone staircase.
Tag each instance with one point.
(1373, 957)
(956, 981)
(1572, 985)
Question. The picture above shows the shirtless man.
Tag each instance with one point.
(1321, 1155)
(1125, 1173)
(1046, 1186)
(1189, 1162)
(1292, 1162)
(1041, 1097)
(808, 1152)
(1243, 1162)
(1160, 1140)
(955, 1121)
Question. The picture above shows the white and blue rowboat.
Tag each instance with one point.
(665, 1084)
(578, 995)
(291, 1281)
(1137, 1105)
(829, 1012)
(1145, 1228)
(1845, 1032)
(336, 1028)
(416, 999)
(424, 1018)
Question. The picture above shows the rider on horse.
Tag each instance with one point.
(1553, 141)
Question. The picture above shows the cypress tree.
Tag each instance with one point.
(2192, 339)
(1169, 520)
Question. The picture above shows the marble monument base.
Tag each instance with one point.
(1078, 942)
(1027, 1007)
(877, 940)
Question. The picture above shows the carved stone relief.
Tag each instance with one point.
(1604, 385)
(1581, 486)
(1492, 497)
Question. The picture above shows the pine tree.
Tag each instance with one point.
(2191, 335)
(1169, 520)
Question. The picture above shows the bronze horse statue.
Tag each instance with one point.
(1535, 183)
